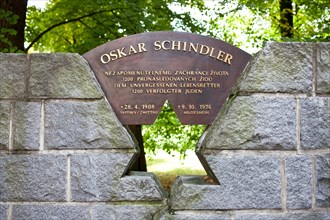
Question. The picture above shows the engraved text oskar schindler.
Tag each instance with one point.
(139, 75)
(167, 46)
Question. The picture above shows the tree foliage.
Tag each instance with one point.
(169, 134)
(250, 23)
(80, 25)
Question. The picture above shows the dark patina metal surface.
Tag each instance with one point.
(139, 73)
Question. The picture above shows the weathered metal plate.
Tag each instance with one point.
(140, 72)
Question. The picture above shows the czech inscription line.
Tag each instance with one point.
(166, 81)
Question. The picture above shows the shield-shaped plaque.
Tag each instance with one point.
(194, 73)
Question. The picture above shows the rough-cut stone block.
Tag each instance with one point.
(32, 177)
(323, 181)
(51, 212)
(284, 216)
(315, 123)
(280, 67)
(323, 68)
(298, 171)
(12, 75)
(27, 125)
(254, 123)
(4, 124)
(83, 125)
(3, 212)
(96, 177)
(140, 186)
(125, 212)
(62, 75)
(246, 182)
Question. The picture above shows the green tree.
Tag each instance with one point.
(79, 26)
(169, 134)
(298, 19)
(250, 23)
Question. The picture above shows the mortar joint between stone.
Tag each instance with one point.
(10, 212)
(298, 125)
(91, 213)
(313, 182)
(27, 76)
(275, 95)
(68, 186)
(11, 127)
(314, 70)
(42, 127)
(283, 184)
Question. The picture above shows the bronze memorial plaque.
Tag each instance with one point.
(140, 72)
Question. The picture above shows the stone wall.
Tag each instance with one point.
(65, 155)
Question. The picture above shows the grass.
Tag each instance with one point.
(168, 167)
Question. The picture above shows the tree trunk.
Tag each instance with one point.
(17, 7)
(286, 18)
(140, 163)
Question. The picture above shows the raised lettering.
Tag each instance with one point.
(176, 44)
(105, 58)
(131, 50)
(121, 53)
(228, 58)
(205, 52)
(220, 55)
(195, 48)
(193, 91)
(163, 45)
(142, 47)
(113, 55)
(157, 45)
(211, 53)
(184, 46)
